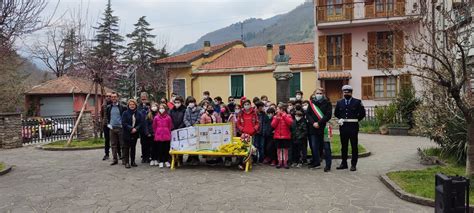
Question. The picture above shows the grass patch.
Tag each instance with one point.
(91, 143)
(336, 146)
(437, 152)
(422, 182)
(2, 166)
(369, 126)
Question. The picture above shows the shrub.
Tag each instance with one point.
(406, 104)
(369, 126)
(386, 114)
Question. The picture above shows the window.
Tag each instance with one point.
(179, 87)
(334, 7)
(367, 88)
(382, 6)
(334, 47)
(385, 49)
(335, 52)
(237, 86)
(295, 83)
(405, 81)
(385, 87)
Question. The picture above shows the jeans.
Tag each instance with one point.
(259, 143)
(107, 139)
(327, 154)
(315, 142)
(270, 148)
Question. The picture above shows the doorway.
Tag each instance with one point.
(333, 90)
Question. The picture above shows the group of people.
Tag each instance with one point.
(280, 132)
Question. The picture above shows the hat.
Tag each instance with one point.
(347, 88)
(132, 100)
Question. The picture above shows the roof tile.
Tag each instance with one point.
(64, 85)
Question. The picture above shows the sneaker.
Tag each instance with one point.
(160, 165)
(278, 166)
(228, 163)
(152, 163)
(273, 163)
(299, 165)
(127, 166)
(327, 169)
(241, 167)
(167, 164)
(106, 157)
(294, 164)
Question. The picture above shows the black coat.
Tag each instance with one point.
(265, 127)
(177, 116)
(148, 128)
(355, 110)
(325, 106)
(127, 123)
(300, 130)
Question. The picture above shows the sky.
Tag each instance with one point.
(175, 22)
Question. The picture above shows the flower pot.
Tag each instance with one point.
(398, 130)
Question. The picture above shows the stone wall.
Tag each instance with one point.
(85, 129)
(10, 130)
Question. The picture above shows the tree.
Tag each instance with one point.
(438, 54)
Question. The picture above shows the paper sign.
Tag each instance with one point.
(182, 134)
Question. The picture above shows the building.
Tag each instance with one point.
(179, 69)
(61, 96)
(355, 45)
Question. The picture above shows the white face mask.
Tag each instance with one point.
(162, 111)
(298, 97)
(305, 107)
(154, 108)
(177, 105)
(247, 107)
(192, 105)
(298, 118)
(318, 97)
(290, 107)
(202, 111)
(237, 111)
(205, 97)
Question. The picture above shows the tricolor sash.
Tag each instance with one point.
(320, 115)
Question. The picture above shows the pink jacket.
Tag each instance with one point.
(206, 119)
(162, 126)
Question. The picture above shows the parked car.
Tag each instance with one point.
(62, 127)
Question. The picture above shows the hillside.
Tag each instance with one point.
(294, 26)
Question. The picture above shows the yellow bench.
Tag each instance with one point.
(174, 155)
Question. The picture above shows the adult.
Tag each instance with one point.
(145, 141)
(132, 122)
(177, 113)
(319, 112)
(105, 129)
(114, 117)
(350, 111)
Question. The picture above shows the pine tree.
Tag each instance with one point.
(108, 39)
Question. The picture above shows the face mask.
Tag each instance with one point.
(154, 108)
(264, 102)
(318, 97)
(173, 98)
(305, 107)
(237, 111)
(177, 105)
(290, 107)
(162, 111)
(231, 103)
(270, 116)
(205, 97)
(192, 105)
(298, 118)
(210, 111)
(347, 97)
(247, 107)
(202, 111)
(298, 97)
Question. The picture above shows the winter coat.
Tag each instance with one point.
(143, 110)
(326, 108)
(206, 119)
(149, 125)
(191, 116)
(127, 122)
(162, 126)
(248, 121)
(267, 129)
(300, 130)
(265, 124)
(282, 124)
(177, 116)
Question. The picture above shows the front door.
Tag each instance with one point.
(333, 90)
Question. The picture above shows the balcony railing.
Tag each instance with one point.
(365, 10)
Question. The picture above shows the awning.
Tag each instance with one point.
(328, 75)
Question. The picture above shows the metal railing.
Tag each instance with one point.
(37, 130)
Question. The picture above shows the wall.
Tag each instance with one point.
(85, 129)
(79, 101)
(10, 130)
(309, 82)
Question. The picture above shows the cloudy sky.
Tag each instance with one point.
(177, 22)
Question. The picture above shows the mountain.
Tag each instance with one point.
(294, 26)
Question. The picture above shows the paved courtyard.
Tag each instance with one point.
(79, 181)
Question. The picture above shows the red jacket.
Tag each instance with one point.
(247, 122)
(282, 125)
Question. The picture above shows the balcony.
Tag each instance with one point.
(340, 13)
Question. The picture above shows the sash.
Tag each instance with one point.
(320, 115)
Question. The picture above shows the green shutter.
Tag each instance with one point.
(237, 86)
(295, 83)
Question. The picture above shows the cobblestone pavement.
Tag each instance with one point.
(79, 181)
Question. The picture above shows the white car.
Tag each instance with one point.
(60, 128)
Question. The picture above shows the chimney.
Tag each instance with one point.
(269, 54)
(207, 48)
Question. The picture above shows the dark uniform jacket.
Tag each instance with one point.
(355, 110)
(325, 106)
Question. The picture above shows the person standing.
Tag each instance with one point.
(299, 95)
(150, 134)
(114, 118)
(105, 129)
(259, 138)
(318, 115)
(162, 125)
(144, 109)
(349, 111)
(270, 146)
(282, 122)
(231, 104)
(177, 113)
(300, 136)
(132, 123)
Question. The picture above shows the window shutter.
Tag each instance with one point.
(400, 8)
(321, 10)
(348, 9)
(367, 88)
(322, 59)
(399, 46)
(295, 83)
(347, 54)
(405, 81)
(237, 86)
(369, 9)
(372, 50)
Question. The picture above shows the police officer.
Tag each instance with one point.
(349, 111)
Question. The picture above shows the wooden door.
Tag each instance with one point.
(333, 90)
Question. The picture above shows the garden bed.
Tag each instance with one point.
(336, 148)
(75, 145)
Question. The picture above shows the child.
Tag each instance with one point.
(270, 146)
(247, 121)
(150, 132)
(259, 139)
(162, 125)
(210, 117)
(282, 124)
(300, 136)
(233, 118)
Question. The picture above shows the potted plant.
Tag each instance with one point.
(398, 128)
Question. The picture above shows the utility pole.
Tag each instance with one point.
(242, 31)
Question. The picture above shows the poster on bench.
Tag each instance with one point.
(201, 137)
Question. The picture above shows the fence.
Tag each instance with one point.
(370, 114)
(47, 129)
